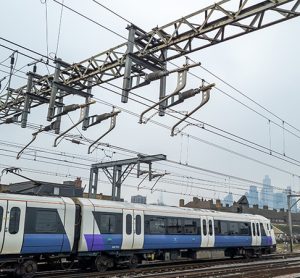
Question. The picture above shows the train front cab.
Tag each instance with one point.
(32, 229)
(12, 215)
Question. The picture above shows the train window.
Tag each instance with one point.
(45, 221)
(191, 226)
(224, 228)
(210, 228)
(217, 225)
(138, 224)
(253, 229)
(128, 224)
(174, 226)
(262, 230)
(268, 228)
(233, 228)
(155, 225)
(257, 229)
(14, 220)
(244, 229)
(109, 223)
(1, 217)
(204, 227)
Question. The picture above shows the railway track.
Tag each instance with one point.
(267, 265)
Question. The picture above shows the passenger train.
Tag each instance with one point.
(101, 234)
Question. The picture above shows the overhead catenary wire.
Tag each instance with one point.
(246, 96)
(59, 28)
(118, 15)
(86, 17)
(255, 146)
(221, 79)
(179, 183)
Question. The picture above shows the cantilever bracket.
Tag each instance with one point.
(205, 98)
(159, 176)
(34, 135)
(181, 82)
(113, 116)
(66, 110)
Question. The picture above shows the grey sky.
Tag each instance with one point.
(263, 65)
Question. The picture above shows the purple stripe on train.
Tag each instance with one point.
(103, 242)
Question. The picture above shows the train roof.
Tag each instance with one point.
(152, 209)
(34, 198)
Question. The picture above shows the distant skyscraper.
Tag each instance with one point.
(228, 200)
(252, 196)
(266, 194)
(280, 201)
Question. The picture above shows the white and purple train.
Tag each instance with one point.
(101, 234)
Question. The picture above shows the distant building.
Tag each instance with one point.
(228, 200)
(280, 201)
(266, 194)
(252, 196)
(43, 188)
(139, 199)
(276, 216)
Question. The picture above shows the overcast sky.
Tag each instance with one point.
(263, 65)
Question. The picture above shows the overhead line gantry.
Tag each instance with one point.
(144, 55)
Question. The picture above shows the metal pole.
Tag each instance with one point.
(162, 87)
(54, 90)
(26, 102)
(290, 222)
(128, 65)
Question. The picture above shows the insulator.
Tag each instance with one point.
(48, 127)
(70, 108)
(10, 120)
(188, 93)
(12, 60)
(156, 75)
(34, 68)
(102, 117)
(76, 141)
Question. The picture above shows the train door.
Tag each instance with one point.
(127, 242)
(210, 232)
(204, 232)
(3, 207)
(207, 231)
(138, 231)
(256, 233)
(14, 227)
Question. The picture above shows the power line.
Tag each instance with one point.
(248, 141)
(244, 95)
(27, 49)
(89, 19)
(44, 2)
(59, 28)
(263, 149)
(118, 15)
(253, 101)
(247, 106)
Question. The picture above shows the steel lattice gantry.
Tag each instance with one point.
(150, 51)
(115, 174)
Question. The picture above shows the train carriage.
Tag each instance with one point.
(33, 228)
(102, 234)
(124, 232)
